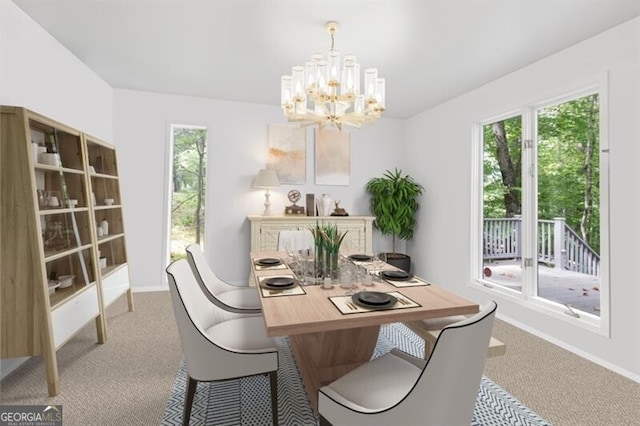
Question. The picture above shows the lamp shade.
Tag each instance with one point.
(267, 178)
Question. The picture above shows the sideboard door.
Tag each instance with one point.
(265, 230)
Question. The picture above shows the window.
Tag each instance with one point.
(540, 230)
(187, 189)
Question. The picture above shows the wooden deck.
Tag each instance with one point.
(578, 290)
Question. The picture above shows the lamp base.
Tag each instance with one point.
(267, 204)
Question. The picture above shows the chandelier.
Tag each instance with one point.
(323, 93)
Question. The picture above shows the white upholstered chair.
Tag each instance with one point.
(218, 344)
(429, 330)
(227, 296)
(399, 389)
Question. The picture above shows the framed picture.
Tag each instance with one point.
(288, 153)
(333, 157)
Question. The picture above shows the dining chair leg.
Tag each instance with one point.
(273, 376)
(324, 422)
(192, 384)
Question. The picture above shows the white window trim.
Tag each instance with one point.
(527, 298)
(168, 182)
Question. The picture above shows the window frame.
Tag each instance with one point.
(528, 297)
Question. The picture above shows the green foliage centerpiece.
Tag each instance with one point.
(327, 240)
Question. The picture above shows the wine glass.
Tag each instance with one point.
(364, 277)
(376, 265)
(302, 266)
(347, 275)
(288, 248)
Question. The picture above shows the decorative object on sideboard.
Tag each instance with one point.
(324, 205)
(394, 203)
(294, 196)
(311, 205)
(322, 93)
(339, 211)
(266, 179)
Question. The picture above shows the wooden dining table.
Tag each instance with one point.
(328, 343)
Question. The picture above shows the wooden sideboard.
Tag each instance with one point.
(265, 229)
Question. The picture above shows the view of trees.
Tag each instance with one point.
(568, 166)
(188, 200)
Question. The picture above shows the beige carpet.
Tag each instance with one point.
(127, 381)
(561, 387)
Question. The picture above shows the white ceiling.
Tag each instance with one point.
(428, 51)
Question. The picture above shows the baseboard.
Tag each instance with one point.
(606, 364)
(149, 288)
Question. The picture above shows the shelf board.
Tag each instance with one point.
(109, 237)
(47, 167)
(54, 255)
(102, 175)
(113, 206)
(44, 212)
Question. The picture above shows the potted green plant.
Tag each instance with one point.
(394, 203)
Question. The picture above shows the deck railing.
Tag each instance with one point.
(558, 244)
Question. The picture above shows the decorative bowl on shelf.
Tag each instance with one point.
(53, 284)
(66, 280)
(72, 202)
(108, 201)
(49, 158)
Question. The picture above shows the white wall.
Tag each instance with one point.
(37, 72)
(237, 149)
(439, 141)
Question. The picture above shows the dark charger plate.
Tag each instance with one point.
(268, 261)
(278, 282)
(396, 275)
(373, 299)
(360, 257)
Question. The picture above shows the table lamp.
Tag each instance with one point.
(267, 178)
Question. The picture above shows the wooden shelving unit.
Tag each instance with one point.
(49, 229)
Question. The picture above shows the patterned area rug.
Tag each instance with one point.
(247, 401)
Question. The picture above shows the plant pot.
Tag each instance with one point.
(399, 260)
